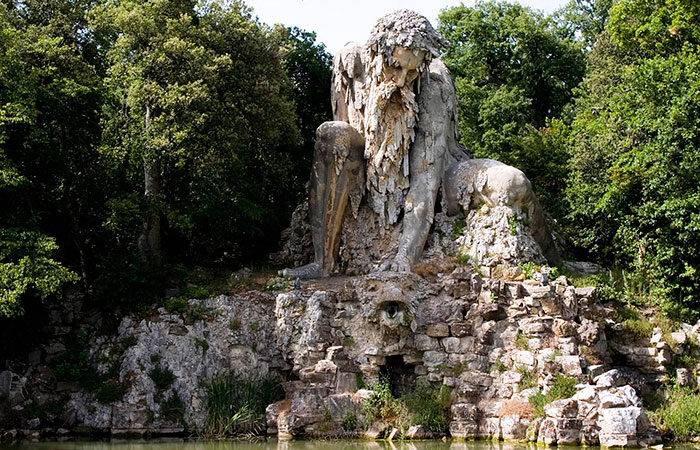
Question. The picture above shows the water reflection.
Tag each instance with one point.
(176, 444)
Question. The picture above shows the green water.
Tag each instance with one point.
(176, 444)
(270, 445)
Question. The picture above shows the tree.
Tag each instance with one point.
(584, 19)
(635, 150)
(308, 66)
(200, 104)
(513, 72)
(48, 97)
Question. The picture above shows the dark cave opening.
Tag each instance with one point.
(400, 376)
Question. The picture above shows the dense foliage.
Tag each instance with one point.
(514, 72)
(138, 135)
(635, 150)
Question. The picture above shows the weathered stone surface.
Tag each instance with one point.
(438, 330)
(11, 388)
(619, 426)
(547, 433)
(571, 365)
(612, 378)
(424, 343)
(566, 408)
(514, 427)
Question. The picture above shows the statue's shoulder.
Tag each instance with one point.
(349, 61)
(438, 83)
(438, 71)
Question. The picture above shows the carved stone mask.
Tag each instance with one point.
(390, 302)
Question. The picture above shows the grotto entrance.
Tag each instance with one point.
(400, 376)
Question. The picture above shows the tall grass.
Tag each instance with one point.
(236, 405)
(680, 414)
(426, 405)
(429, 406)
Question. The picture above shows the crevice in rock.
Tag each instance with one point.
(400, 375)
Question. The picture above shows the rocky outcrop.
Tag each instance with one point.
(498, 346)
(495, 343)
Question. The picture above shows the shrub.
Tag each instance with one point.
(177, 305)
(110, 392)
(196, 291)
(382, 406)
(529, 268)
(563, 387)
(349, 422)
(425, 405)
(75, 364)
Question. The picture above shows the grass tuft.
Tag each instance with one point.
(680, 414)
(236, 405)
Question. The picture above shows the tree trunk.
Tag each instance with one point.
(149, 239)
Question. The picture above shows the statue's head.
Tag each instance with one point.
(403, 42)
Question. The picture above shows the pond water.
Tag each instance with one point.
(271, 445)
(292, 445)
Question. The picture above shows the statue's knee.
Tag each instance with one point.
(330, 135)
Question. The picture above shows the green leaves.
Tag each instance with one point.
(636, 155)
(514, 70)
(26, 263)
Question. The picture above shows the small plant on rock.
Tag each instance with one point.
(173, 409)
(528, 378)
(498, 366)
(203, 344)
(349, 422)
(563, 387)
(162, 377)
(521, 341)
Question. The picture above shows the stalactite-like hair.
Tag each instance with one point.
(407, 29)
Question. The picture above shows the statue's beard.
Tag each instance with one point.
(390, 118)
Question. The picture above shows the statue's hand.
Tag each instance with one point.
(401, 264)
(398, 264)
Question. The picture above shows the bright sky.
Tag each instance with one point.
(338, 22)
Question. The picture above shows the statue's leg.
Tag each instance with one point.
(426, 177)
(337, 173)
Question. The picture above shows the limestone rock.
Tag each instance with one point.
(566, 408)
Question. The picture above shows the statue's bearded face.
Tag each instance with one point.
(404, 69)
(390, 118)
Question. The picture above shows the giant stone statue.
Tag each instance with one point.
(392, 150)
